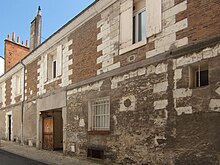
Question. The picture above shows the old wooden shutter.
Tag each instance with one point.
(154, 16)
(59, 60)
(45, 68)
(126, 19)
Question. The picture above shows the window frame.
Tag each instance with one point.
(104, 118)
(195, 75)
(136, 27)
(54, 69)
(18, 85)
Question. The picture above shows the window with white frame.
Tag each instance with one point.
(100, 114)
(54, 69)
(53, 64)
(18, 84)
(199, 75)
(139, 22)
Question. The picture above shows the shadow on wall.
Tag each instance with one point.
(197, 139)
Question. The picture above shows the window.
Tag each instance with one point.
(100, 115)
(139, 26)
(54, 69)
(53, 64)
(18, 84)
(95, 153)
(199, 75)
(139, 20)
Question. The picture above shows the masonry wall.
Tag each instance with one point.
(13, 53)
(203, 19)
(32, 80)
(84, 48)
(15, 112)
(30, 123)
(166, 122)
(2, 124)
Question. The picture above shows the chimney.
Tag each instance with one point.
(14, 51)
(35, 31)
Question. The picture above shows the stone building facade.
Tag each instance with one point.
(2, 62)
(127, 81)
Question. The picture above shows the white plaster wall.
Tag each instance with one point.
(3, 94)
(2, 64)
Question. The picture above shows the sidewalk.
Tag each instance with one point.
(47, 157)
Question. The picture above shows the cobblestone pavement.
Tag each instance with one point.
(47, 157)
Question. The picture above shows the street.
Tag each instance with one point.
(7, 158)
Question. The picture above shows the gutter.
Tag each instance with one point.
(22, 104)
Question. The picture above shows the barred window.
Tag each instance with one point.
(100, 111)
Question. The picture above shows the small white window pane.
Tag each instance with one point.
(143, 21)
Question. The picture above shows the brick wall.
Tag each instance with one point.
(203, 19)
(138, 54)
(8, 92)
(32, 79)
(84, 50)
(53, 85)
(14, 52)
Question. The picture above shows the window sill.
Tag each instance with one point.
(198, 88)
(132, 47)
(99, 132)
(52, 80)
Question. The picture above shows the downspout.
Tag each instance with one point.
(22, 104)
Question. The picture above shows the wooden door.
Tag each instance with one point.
(48, 133)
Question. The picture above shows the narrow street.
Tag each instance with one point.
(9, 159)
(15, 154)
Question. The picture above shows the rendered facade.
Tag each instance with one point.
(127, 81)
(1, 66)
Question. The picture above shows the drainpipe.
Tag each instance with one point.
(22, 104)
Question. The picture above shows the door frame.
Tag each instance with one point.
(7, 126)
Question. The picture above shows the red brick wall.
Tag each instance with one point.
(32, 79)
(14, 52)
(203, 19)
(139, 53)
(8, 91)
(53, 85)
(84, 49)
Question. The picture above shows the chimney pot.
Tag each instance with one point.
(26, 43)
(8, 36)
(39, 11)
(22, 42)
(13, 36)
(18, 39)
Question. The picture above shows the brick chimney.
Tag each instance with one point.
(35, 31)
(14, 51)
